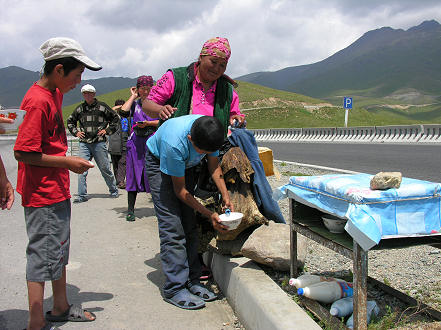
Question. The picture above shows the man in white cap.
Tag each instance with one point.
(90, 122)
(43, 181)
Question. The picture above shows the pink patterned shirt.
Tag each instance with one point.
(203, 102)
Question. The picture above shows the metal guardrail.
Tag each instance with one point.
(430, 133)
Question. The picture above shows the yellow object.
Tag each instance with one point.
(266, 156)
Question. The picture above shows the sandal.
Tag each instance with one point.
(75, 313)
(184, 299)
(197, 289)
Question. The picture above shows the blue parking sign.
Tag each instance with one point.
(347, 102)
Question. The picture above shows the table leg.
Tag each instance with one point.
(292, 241)
(360, 267)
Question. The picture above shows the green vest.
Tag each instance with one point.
(183, 93)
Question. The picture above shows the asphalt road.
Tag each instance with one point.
(414, 160)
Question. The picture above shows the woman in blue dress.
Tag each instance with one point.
(143, 127)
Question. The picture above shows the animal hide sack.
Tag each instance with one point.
(238, 174)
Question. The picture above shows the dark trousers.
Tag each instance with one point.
(177, 228)
(119, 168)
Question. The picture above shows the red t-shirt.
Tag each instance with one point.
(42, 131)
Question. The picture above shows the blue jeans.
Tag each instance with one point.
(97, 151)
(178, 235)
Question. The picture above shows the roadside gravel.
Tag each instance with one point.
(415, 270)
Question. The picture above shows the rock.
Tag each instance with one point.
(386, 180)
(231, 247)
(269, 245)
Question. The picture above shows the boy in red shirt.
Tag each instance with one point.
(43, 180)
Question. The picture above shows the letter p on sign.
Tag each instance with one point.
(347, 102)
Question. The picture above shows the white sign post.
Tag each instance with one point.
(347, 104)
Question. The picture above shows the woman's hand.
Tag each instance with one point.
(166, 111)
(134, 91)
(240, 121)
(143, 124)
(217, 224)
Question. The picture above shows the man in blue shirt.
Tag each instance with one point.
(179, 145)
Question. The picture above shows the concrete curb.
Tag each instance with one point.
(258, 302)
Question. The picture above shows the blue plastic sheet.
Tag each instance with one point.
(411, 210)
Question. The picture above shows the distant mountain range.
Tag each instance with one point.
(15, 81)
(383, 62)
(404, 65)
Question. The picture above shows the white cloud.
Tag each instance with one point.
(130, 38)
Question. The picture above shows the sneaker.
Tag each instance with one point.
(80, 199)
(114, 195)
(130, 217)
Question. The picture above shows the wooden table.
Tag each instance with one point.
(307, 221)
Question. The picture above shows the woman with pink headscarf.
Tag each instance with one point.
(201, 88)
(143, 127)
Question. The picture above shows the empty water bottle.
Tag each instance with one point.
(372, 309)
(342, 307)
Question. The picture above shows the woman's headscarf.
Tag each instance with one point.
(218, 47)
(144, 81)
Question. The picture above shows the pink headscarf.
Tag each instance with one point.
(144, 81)
(218, 47)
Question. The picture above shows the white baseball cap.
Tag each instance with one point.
(59, 47)
(88, 88)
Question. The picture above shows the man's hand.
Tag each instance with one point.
(81, 135)
(102, 132)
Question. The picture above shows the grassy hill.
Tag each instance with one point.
(271, 108)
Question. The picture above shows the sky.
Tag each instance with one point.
(129, 38)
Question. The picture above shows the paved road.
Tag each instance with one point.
(415, 161)
(114, 268)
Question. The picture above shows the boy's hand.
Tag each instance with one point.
(5, 121)
(78, 165)
(217, 224)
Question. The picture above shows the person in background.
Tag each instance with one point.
(143, 127)
(172, 153)
(201, 88)
(94, 119)
(117, 145)
(6, 189)
(43, 181)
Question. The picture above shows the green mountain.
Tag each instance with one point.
(15, 81)
(266, 107)
(382, 63)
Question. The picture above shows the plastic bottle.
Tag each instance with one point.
(327, 292)
(372, 309)
(342, 307)
(309, 279)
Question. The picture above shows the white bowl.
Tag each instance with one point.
(334, 224)
(231, 220)
(16, 114)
